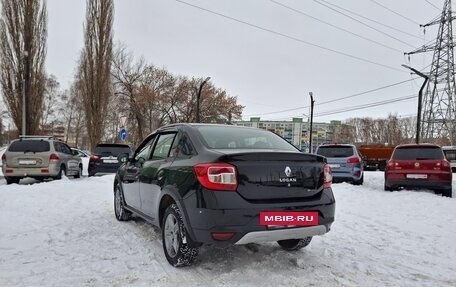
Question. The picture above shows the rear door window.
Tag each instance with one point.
(163, 146)
(335, 151)
(29, 146)
(450, 154)
(421, 153)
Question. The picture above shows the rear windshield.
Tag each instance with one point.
(111, 150)
(421, 153)
(232, 137)
(29, 146)
(450, 154)
(335, 151)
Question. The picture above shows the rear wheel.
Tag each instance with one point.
(62, 171)
(360, 181)
(119, 209)
(447, 192)
(388, 188)
(11, 180)
(294, 244)
(175, 239)
(78, 175)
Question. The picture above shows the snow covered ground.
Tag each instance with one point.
(64, 233)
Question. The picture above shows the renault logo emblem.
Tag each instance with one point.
(287, 171)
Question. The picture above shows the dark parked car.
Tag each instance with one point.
(419, 165)
(219, 184)
(104, 158)
(345, 162)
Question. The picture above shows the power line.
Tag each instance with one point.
(432, 4)
(335, 100)
(334, 26)
(365, 106)
(392, 11)
(291, 37)
(366, 92)
(372, 20)
(361, 22)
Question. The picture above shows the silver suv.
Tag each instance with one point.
(39, 157)
(345, 162)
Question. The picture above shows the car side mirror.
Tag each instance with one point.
(123, 157)
(74, 152)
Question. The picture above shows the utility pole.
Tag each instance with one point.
(198, 97)
(420, 100)
(311, 120)
(24, 94)
(439, 102)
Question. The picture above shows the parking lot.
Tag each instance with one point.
(64, 233)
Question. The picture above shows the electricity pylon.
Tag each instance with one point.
(439, 107)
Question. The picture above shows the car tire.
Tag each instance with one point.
(294, 244)
(11, 180)
(388, 188)
(78, 175)
(62, 171)
(447, 192)
(119, 205)
(175, 239)
(360, 181)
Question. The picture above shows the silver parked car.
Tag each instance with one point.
(39, 157)
(345, 162)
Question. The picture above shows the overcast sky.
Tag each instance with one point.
(275, 57)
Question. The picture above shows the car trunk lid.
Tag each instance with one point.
(277, 175)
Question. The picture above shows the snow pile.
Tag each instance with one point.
(64, 233)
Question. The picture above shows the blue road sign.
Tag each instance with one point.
(123, 134)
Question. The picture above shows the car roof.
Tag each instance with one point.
(336, 145)
(112, 145)
(425, 145)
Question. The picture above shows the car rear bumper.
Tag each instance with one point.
(419, 183)
(244, 221)
(21, 172)
(346, 177)
(102, 169)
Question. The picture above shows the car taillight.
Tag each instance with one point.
(394, 165)
(446, 164)
(53, 157)
(216, 176)
(4, 158)
(327, 176)
(94, 158)
(354, 159)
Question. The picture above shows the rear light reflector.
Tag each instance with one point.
(54, 157)
(222, 236)
(327, 176)
(354, 159)
(9, 171)
(217, 176)
(44, 170)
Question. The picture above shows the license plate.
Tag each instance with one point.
(27, 161)
(334, 165)
(110, 161)
(288, 218)
(417, 176)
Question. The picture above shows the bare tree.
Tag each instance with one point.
(23, 34)
(94, 74)
(50, 101)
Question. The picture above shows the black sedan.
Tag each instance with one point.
(220, 184)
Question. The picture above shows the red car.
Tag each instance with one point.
(419, 166)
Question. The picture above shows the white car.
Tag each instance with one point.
(85, 157)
